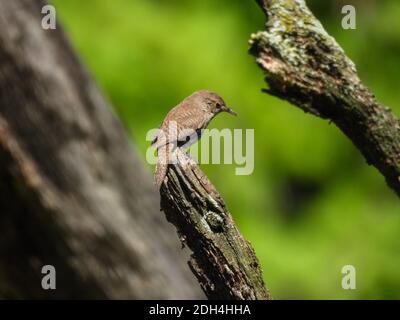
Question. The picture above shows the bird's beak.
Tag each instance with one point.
(229, 110)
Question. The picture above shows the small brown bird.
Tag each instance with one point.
(183, 126)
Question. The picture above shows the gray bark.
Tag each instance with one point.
(305, 66)
(73, 192)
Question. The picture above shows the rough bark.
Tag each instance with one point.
(73, 192)
(222, 260)
(306, 66)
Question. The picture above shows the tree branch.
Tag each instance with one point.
(223, 261)
(306, 66)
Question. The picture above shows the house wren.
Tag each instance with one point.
(183, 126)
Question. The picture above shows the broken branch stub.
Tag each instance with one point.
(222, 260)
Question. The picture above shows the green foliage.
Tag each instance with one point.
(312, 204)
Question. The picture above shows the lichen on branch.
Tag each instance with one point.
(306, 66)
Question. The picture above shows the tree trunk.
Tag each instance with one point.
(73, 191)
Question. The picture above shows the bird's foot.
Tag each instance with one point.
(184, 158)
(191, 160)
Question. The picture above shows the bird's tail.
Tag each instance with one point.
(162, 165)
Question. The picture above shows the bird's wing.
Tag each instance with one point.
(181, 122)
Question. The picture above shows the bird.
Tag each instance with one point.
(183, 126)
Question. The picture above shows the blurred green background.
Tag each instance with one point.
(312, 204)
